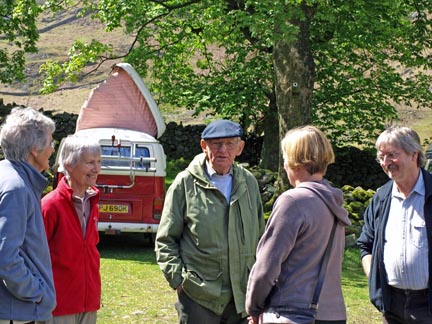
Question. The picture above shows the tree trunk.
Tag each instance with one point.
(270, 151)
(294, 78)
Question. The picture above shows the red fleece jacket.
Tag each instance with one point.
(75, 259)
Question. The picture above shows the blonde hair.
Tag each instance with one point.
(307, 147)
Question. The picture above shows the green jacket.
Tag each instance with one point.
(207, 244)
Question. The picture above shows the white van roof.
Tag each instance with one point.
(108, 133)
(113, 136)
(122, 101)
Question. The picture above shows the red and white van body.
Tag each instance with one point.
(125, 119)
(131, 181)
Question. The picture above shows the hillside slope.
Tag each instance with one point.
(56, 36)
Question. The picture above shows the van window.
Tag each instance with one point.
(114, 151)
(142, 151)
(125, 152)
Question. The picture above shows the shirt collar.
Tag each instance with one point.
(89, 193)
(211, 172)
(419, 187)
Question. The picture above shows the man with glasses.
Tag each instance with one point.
(395, 249)
(211, 224)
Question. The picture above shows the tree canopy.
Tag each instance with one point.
(343, 65)
(19, 35)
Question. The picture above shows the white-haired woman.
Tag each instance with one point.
(71, 214)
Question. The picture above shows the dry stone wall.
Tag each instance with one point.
(353, 167)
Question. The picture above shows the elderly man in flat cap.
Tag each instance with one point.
(211, 224)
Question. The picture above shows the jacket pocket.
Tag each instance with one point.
(249, 260)
(203, 286)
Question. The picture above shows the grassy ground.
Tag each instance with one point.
(135, 291)
(355, 290)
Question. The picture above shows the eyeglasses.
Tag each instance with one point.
(230, 145)
(391, 156)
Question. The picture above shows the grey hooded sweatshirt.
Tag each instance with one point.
(290, 252)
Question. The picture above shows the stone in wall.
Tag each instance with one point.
(353, 166)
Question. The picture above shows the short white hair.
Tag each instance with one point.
(24, 130)
(73, 149)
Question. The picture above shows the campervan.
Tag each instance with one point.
(122, 114)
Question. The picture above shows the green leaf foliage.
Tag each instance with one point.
(217, 56)
(18, 36)
(370, 56)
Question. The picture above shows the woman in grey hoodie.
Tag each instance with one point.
(289, 254)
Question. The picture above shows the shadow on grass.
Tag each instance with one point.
(130, 246)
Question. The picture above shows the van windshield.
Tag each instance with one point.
(113, 156)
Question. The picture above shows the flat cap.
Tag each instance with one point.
(222, 129)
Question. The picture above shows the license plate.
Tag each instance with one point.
(110, 231)
(119, 209)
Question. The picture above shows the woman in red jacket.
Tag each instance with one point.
(70, 215)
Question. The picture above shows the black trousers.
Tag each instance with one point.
(408, 307)
(189, 312)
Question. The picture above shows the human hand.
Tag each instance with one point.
(253, 320)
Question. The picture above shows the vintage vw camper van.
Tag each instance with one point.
(123, 116)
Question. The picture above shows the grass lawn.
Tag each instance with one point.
(135, 291)
(133, 288)
(355, 290)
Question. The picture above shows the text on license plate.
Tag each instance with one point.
(121, 209)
